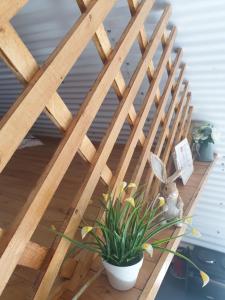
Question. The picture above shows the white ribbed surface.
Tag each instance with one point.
(201, 27)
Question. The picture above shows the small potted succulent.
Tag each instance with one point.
(128, 228)
(203, 140)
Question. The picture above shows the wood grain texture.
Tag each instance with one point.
(18, 57)
(43, 85)
(50, 189)
(9, 9)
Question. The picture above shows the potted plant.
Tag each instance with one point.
(128, 229)
(203, 141)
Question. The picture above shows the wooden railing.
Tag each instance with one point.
(40, 94)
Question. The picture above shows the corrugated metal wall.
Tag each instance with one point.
(201, 27)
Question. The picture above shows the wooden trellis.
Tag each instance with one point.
(40, 94)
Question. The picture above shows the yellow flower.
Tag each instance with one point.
(85, 230)
(162, 201)
(132, 185)
(188, 220)
(196, 233)
(122, 186)
(205, 278)
(148, 247)
(105, 197)
(131, 201)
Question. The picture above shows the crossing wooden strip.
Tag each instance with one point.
(43, 85)
(9, 9)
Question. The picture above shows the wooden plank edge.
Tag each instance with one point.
(153, 284)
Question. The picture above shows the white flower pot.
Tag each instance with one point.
(122, 278)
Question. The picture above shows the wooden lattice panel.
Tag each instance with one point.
(171, 119)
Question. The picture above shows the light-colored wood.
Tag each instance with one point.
(153, 129)
(19, 59)
(104, 48)
(165, 130)
(43, 85)
(133, 138)
(39, 194)
(131, 143)
(33, 255)
(171, 138)
(13, 129)
(8, 9)
(180, 132)
(104, 150)
(160, 270)
(188, 123)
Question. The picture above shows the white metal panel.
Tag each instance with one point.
(201, 26)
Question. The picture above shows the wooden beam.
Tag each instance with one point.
(22, 229)
(33, 255)
(179, 132)
(131, 143)
(9, 8)
(89, 183)
(188, 123)
(156, 278)
(104, 48)
(165, 130)
(43, 85)
(172, 136)
(136, 177)
(18, 57)
(29, 105)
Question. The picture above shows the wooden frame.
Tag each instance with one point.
(40, 94)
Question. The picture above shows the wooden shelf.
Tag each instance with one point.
(153, 270)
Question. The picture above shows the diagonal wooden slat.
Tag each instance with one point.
(172, 136)
(9, 8)
(179, 132)
(32, 256)
(143, 39)
(20, 60)
(102, 155)
(140, 165)
(132, 141)
(131, 144)
(21, 230)
(43, 85)
(188, 123)
(104, 48)
(165, 133)
(165, 130)
(15, 239)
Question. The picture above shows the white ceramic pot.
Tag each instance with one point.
(122, 278)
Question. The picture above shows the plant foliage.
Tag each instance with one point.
(129, 227)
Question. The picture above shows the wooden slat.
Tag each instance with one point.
(131, 143)
(142, 41)
(33, 255)
(14, 242)
(179, 132)
(9, 8)
(156, 278)
(188, 123)
(104, 48)
(21, 231)
(172, 137)
(174, 130)
(152, 132)
(104, 150)
(20, 60)
(165, 130)
(43, 85)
